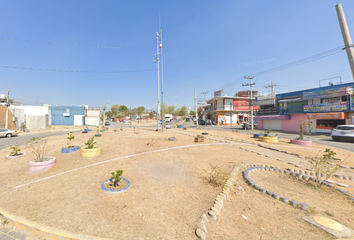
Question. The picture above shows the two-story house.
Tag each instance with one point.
(228, 110)
(321, 109)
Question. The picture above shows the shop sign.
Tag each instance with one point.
(328, 93)
(327, 116)
(325, 107)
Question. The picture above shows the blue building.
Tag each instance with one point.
(68, 115)
(320, 108)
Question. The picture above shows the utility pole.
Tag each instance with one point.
(205, 95)
(271, 86)
(158, 79)
(196, 109)
(348, 44)
(104, 113)
(7, 108)
(163, 110)
(251, 100)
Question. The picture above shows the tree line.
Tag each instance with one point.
(121, 111)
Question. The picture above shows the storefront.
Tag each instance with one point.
(325, 122)
(273, 122)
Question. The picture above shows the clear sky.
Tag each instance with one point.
(207, 45)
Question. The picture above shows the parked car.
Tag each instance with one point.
(188, 119)
(107, 123)
(7, 132)
(126, 121)
(343, 132)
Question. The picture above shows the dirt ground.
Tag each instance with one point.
(168, 194)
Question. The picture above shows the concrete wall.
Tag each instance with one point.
(293, 124)
(19, 115)
(37, 121)
(92, 121)
(93, 112)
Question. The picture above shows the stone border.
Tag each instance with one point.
(286, 200)
(43, 230)
(115, 191)
(217, 205)
(344, 177)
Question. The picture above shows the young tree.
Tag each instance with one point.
(140, 110)
(114, 109)
(122, 108)
(109, 114)
(183, 111)
(170, 109)
(151, 115)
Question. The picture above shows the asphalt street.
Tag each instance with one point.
(25, 137)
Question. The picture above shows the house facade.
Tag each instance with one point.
(228, 110)
(320, 109)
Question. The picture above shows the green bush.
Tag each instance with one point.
(15, 150)
(70, 137)
(90, 143)
(116, 177)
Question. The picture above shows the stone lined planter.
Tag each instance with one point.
(302, 142)
(89, 153)
(41, 166)
(12, 157)
(115, 191)
(268, 139)
(70, 150)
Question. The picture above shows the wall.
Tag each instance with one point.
(10, 124)
(59, 119)
(293, 124)
(37, 121)
(93, 112)
(92, 121)
(260, 124)
(19, 115)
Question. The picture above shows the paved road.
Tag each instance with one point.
(21, 139)
(316, 138)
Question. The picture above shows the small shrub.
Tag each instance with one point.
(70, 137)
(39, 148)
(267, 132)
(115, 179)
(151, 142)
(23, 126)
(215, 176)
(90, 143)
(323, 167)
(15, 150)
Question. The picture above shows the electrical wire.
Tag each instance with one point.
(72, 44)
(286, 66)
(74, 71)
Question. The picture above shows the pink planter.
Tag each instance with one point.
(307, 143)
(41, 166)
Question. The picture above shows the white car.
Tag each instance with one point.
(7, 132)
(126, 121)
(343, 132)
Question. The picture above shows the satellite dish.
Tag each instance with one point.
(330, 84)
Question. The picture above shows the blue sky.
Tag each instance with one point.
(206, 45)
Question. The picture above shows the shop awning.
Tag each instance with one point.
(272, 117)
(290, 100)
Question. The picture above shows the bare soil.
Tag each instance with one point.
(168, 193)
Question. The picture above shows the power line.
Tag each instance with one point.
(70, 44)
(73, 71)
(286, 66)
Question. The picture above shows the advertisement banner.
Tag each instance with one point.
(328, 93)
(325, 107)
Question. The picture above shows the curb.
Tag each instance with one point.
(43, 230)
